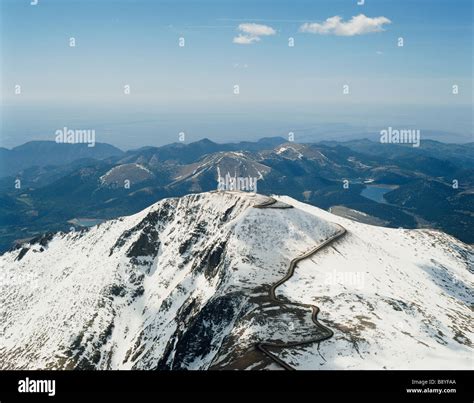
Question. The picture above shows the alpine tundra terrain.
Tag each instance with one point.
(231, 280)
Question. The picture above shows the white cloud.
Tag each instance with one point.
(245, 39)
(251, 33)
(256, 29)
(357, 25)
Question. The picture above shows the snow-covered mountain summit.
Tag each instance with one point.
(191, 283)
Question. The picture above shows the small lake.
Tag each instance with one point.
(376, 192)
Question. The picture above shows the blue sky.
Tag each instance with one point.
(191, 88)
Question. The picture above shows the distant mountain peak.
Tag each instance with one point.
(204, 140)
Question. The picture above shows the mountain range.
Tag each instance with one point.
(66, 186)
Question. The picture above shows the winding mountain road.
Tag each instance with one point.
(326, 332)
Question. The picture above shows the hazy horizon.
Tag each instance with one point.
(190, 88)
(152, 128)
